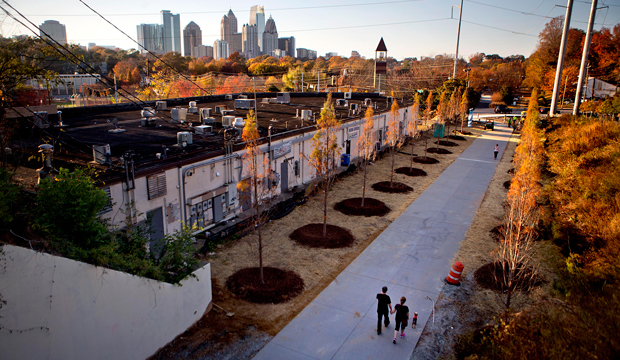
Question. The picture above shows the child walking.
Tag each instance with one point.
(402, 315)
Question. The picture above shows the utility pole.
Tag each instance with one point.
(584, 59)
(558, 71)
(458, 36)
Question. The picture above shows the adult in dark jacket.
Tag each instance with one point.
(383, 304)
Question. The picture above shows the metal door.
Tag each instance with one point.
(348, 147)
(217, 209)
(284, 176)
(155, 219)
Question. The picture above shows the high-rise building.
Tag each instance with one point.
(270, 38)
(192, 37)
(287, 44)
(257, 17)
(220, 50)
(172, 31)
(306, 54)
(330, 55)
(150, 37)
(202, 51)
(54, 30)
(228, 32)
(250, 41)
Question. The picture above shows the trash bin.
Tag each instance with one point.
(490, 125)
(344, 159)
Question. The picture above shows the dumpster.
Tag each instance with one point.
(344, 159)
(490, 125)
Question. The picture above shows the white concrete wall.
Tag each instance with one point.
(58, 308)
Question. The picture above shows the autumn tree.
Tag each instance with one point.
(464, 110)
(412, 128)
(366, 145)
(393, 136)
(443, 111)
(258, 182)
(428, 112)
(323, 158)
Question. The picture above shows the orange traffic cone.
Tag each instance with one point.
(454, 276)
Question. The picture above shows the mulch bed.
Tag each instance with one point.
(391, 187)
(447, 143)
(507, 184)
(496, 232)
(457, 137)
(425, 160)
(489, 276)
(511, 171)
(410, 171)
(372, 207)
(280, 285)
(435, 150)
(312, 235)
(465, 132)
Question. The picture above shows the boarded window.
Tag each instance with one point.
(156, 185)
(108, 206)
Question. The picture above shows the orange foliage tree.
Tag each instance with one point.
(366, 145)
(412, 127)
(393, 136)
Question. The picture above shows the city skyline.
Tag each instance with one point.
(410, 28)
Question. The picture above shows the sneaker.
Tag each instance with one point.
(394, 342)
(378, 332)
(387, 323)
(402, 335)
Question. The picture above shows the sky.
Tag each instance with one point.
(410, 28)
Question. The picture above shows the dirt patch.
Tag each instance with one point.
(311, 235)
(425, 160)
(457, 137)
(496, 232)
(507, 184)
(392, 187)
(280, 285)
(442, 151)
(372, 207)
(464, 132)
(253, 324)
(490, 275)
(409, 171)
(447, 143)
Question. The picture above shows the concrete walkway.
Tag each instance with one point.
(412, 257)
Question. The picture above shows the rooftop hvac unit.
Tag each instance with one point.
(228, 120)
(202, 129)
(265, 101)
(228, 112)
(184, 138)
(242, 97)
(306, 114)
(147, 122)
(354, 106)
(219, 108)
(367, 102)
(347, 95)
(192, 109)
(178, 114)
(245, 104)
(273, 100)
(101, 153)
(192, 104)
(228, 96)
(239, 123)
(208, 121)
(341, 102)
(147, 112)
(161, 105)
(40, 119)
(284, 98)
(205, 113)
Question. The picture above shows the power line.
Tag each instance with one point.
(244, 11)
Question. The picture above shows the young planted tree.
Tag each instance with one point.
(464, 110)
(393, 137)
(256, 166)
(324, 155)
(453, 109)
(443, 111)
(515, 252)
(366, 145)
(428, 112)
(412, 128)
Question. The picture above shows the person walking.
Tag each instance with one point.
(382, 309)
(496, 150)
(402, 315)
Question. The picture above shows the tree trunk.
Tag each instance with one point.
(392, 174)
(325, 211)
(411, 166)
(364, 184)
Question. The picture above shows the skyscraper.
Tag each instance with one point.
(54, 30)
(257, 17)
(270, 38)
(150, 37)
(250, 41)
(287, 44)
(192, 37)
(220, 50)
(228, 32)
(172, 31)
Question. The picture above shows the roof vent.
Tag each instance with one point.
(184, 138)
(101, 154)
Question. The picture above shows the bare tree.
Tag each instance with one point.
(325, 152)
(366, 145)
(393, 136)
(464, 108)
(443, 111)
(412, 128)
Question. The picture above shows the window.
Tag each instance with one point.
(108, 206)
(156, 185)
